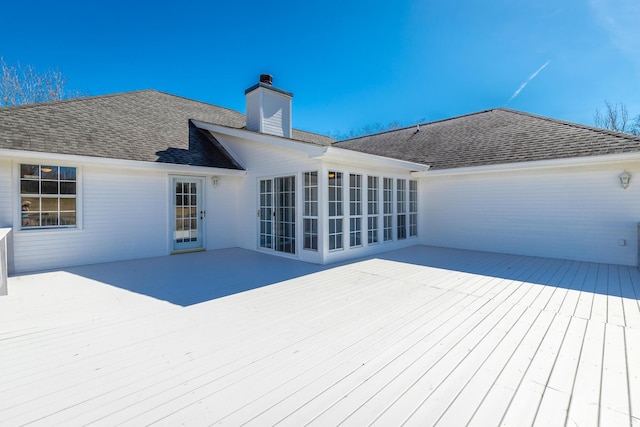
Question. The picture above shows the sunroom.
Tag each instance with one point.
(321, 204)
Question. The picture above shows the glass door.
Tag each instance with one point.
(277, 214)
(188, 213)
(265, 214)
(285, 237)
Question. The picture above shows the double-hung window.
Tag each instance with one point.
(48, 195)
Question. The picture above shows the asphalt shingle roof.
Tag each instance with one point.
(144, 125)
(492, 137)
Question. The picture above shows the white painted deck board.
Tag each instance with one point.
(422, 335)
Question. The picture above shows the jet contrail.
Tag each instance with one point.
(523, 85)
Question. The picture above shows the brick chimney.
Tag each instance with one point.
(268, 108)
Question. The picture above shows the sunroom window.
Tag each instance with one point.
(355, 210)
(401, 208)
(336, 215)
(48, 196)
(413, 208)
(310, 213)
(373, 210)
(387, 209)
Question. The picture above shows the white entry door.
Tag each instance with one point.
(277, 214)
(188, 213)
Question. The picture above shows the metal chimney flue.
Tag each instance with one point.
(266, 79)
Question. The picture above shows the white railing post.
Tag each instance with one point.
(4, 263)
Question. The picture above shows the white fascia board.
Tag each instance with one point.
(539, 164)
(345, 156)
(130, 164)
(264, 138)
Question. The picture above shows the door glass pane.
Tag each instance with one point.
(187, 224)
(285, 215)
(265, 214)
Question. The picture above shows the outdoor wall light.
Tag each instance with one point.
(625, 179)
(215, 180)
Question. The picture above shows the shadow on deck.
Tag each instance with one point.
(193, 278)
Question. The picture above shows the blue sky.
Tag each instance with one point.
(348, 63)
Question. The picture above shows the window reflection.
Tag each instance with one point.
(48, 196)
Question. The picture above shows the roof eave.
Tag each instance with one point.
(133, 164)
(538, 164)
(346, 156)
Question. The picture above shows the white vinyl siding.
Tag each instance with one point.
(124, 214)
(569, 212)
(269, 112)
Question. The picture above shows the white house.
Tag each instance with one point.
(145, 174)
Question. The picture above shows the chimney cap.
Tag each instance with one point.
(266, 79)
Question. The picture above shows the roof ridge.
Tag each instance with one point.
(573, 124)
(507, 110)
(446, 119)
(72, 100)
(110, 95)
(313, 133)
(190, 99)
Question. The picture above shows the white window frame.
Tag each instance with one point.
(335, 211)
(387, 209)
(355, 210)
(373, 210)
(401, 209)
(310, 211)
(18, 214)
(413, 208)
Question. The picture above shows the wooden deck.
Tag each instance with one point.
(421, 336)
